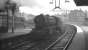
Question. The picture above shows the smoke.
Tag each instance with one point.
(29, 3)
(79, 29)
(2, 3)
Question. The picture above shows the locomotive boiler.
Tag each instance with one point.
(45, 27)
(49, 27)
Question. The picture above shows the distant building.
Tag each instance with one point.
(77, 16)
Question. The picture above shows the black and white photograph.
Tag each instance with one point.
(44, 24)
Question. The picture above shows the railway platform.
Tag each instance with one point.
(17, 32)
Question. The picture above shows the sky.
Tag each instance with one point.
(43, 6)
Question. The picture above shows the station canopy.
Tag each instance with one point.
(81, 2)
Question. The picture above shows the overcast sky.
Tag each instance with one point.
(45, 3)
(37, 6)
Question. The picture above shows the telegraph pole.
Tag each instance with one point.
(13, 11)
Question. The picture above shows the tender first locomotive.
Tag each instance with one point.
(49, 27)
(45, 27)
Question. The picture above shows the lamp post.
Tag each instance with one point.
(56, 1)
(58, 5)
(11, 9)
(67, 1)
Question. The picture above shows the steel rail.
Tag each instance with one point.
(68, 42)
(56, 41)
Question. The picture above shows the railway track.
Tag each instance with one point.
(63, 42)
(18, 43)
(57, 43)
(60, 44)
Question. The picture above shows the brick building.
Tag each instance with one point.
(77, 16)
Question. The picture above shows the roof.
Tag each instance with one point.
(81, 2)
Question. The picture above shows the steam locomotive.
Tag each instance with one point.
(48, 27)
(45, 27)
